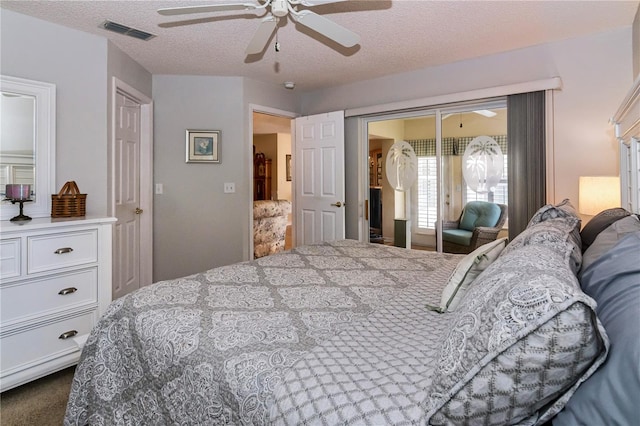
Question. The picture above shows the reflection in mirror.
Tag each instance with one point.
(17, 141)
(27, 143)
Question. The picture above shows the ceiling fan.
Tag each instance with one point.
(277, 9)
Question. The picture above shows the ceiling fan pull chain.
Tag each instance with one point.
(277, 45)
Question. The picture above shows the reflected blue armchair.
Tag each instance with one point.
(478, 224)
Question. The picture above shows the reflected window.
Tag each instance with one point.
(427, 192)
(500, 195)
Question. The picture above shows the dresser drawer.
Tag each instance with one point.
(48, 295)
(54, 251)
(42, 344)
(10, 258)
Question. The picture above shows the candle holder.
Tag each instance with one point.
(21, 217)
(18, 193)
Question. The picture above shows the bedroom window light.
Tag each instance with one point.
(427, 192)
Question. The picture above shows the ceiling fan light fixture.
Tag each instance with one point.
(279, 8)
(485, 112)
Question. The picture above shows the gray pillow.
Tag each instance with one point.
(551, 211)
(610, 395)
(608, 238)
(520, 341)
(549, 232)
(599, 223)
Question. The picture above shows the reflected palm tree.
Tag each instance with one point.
(401, 156)
(483, 163)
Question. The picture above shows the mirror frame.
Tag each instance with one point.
(45, 145)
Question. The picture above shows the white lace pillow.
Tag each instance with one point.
(466, 271)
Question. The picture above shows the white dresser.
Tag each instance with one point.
(55, 283)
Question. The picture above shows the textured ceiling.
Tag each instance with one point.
(396, 36)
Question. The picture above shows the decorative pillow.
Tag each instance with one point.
(608, 238)
(550, 211)
(466, 271)
(610, 396)
(599, 223)
(521, 340)
(552, 231)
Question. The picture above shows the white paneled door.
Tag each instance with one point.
(319, 178)
(126, 242)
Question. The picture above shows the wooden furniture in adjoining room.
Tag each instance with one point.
(56, 283)
(375, 167)
(261, 177)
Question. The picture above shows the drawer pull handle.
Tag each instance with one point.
(68, 290)
(63, 250)
(67, 334)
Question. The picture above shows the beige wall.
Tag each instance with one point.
(284, 149)
(276, 146)
(472, 125)
(384, 134)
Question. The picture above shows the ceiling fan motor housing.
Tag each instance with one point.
(279, 8)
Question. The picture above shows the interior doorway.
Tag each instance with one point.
(272, 159)
(129, 177)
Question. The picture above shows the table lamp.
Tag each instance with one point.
(598, 193)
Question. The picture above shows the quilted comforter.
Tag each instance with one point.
(334, 333)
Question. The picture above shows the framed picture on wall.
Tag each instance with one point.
(288, 166)
(203, 146)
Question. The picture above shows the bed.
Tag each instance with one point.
(355, 333)
(540, 330)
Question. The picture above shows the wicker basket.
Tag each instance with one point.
(68, 202)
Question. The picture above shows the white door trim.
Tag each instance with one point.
(249, 163)
(146, 173)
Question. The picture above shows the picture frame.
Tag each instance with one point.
(203, 146)
(288, 166)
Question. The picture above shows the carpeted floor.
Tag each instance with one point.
(41, 402)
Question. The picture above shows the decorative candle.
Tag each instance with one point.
(18, 191)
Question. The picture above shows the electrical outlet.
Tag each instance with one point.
(159, 188)
(229, 187)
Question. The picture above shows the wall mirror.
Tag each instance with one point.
(27, 143)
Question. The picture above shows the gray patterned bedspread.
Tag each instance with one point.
(334, 333)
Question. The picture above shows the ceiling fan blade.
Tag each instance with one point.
(262, 35)
(326, 27)
(210, 8)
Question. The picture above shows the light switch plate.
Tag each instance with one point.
(229, 187)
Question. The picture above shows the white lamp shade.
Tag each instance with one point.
(598, 193)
